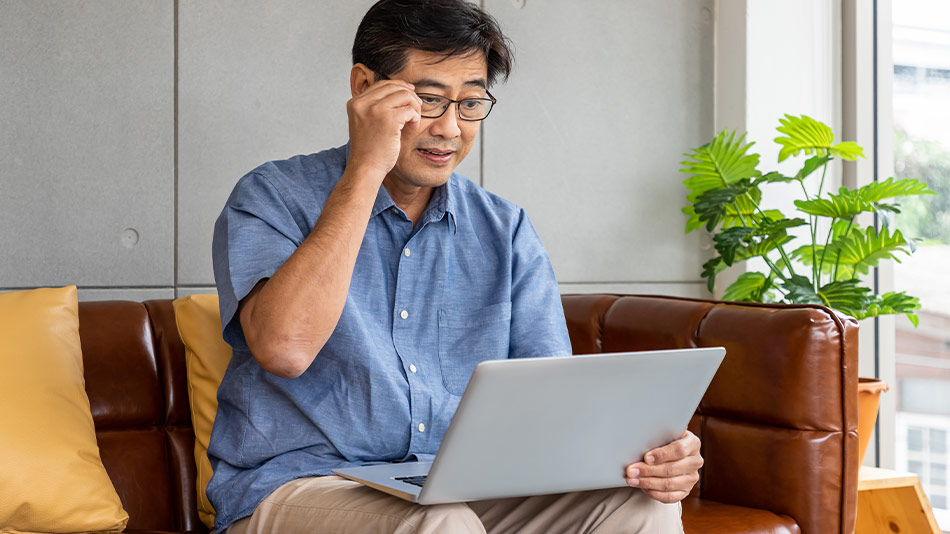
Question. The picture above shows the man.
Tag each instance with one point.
(360, 286)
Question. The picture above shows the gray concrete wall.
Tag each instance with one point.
(124, 125)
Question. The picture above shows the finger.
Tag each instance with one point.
(407, 116)
(376, 93)
(388, 85)
(677, 483)
(668, 497)
(397, 100)
(685, 466)
(676, 450)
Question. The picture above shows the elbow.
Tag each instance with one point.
(285, 365)
(281, 358)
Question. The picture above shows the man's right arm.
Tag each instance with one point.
(288, 317)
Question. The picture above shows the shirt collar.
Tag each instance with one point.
(444, 199)
(443, 202)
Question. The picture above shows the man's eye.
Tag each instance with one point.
(430, 100)
(472, 104)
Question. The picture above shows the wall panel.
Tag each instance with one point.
(589, 132)
(86, 143)
(255, 84)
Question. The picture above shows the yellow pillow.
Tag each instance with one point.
(206, 358)
(51, 476)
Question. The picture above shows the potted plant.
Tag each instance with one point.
(822, 261)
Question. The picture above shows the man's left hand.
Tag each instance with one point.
(669, 472)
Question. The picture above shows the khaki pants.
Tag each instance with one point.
(331, 505)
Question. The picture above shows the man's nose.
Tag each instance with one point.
(448, 124)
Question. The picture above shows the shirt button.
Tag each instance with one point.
(406, 252)
(422, 427)
(412, 368)
(404, 314)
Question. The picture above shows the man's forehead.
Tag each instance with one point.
(438, 69)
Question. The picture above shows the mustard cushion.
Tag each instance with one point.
(51, 476)
(206, 358)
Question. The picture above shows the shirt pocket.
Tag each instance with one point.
(469, 337)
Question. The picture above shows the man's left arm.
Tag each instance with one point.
(538, 328)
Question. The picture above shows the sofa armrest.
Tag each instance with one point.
(779, 420)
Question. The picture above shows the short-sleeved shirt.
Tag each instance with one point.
(469, 282)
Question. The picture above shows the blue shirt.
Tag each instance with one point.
(470, 282)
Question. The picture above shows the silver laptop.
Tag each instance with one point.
(551, 425)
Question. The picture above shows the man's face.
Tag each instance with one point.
(433, 148)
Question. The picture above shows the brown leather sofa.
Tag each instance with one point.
(778, 422)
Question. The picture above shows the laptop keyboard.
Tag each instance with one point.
(417, 480)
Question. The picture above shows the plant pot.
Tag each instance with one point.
(869, 399)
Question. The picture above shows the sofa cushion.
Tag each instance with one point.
(206, 358)
(702, 516)
(52, 478)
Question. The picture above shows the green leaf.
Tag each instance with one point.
(799, 290)
(763, 247)
(811, 165)
(775, 177)
(844, 205)
(710, 269)
(781, 225)
(693, 223)
(749, 287)
(719, 163)
(893, 303)
(864, 250)
(805, 134)
(744, 210)
(890, 188)
(729, 241)
(713, 205)
(847, 296)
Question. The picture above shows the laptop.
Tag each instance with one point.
(538, 426)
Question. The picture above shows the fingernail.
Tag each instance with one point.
(634, 482)
(650, 459)
(633, 473)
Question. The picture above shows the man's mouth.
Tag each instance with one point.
(436, 156)
(435, 152)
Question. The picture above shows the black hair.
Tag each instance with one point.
(450, 27)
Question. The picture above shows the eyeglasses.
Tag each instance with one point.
(469, 109)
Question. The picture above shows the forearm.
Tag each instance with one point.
(288, 318)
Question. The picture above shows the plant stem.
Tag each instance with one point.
(834, 277)
(824, 250)
(824, 169)
(812, 221)
(774, 268)
(781, 250)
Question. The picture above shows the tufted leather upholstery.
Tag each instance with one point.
(778, 423)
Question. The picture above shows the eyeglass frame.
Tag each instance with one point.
(458, 109)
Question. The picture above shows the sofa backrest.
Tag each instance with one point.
(135, 377)
(779, 420)
(780, 414)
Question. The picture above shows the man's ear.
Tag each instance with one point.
(361, 77)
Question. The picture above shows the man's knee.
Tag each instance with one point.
(437, 518)
(640, 513)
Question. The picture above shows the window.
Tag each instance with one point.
(921, 147)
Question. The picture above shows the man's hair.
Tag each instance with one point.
(450, 27)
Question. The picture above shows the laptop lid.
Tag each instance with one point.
(550, 425)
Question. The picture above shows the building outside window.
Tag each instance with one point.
(921, 93)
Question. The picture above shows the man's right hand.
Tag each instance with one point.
(377, 117)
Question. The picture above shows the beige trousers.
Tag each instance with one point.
(331, 505)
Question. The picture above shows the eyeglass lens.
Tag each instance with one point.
(473, 109)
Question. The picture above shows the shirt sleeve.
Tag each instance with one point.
(538, 327)
(254, 235)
